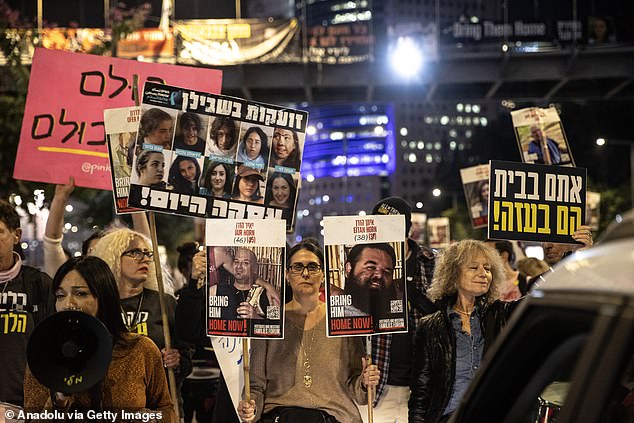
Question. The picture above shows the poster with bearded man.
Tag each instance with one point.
(365, 275)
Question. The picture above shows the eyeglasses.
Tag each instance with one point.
(138, 254)
(298, 268)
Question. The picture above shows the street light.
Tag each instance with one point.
(628, 143)
(407, 58)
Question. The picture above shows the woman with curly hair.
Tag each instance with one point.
(451, 342)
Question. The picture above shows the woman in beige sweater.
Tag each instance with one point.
(306, 369)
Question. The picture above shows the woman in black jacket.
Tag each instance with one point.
(451, 342)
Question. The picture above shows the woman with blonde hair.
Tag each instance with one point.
(451, 342)
(129, 254)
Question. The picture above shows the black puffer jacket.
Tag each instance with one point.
(434, 365)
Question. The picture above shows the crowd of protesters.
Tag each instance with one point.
(459, 299)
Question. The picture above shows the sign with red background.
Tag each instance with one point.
(63, 132)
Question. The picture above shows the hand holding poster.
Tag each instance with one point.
(245, 295)
(536, 202)
(206, 155)
(365, 275)
(541, 137)
(475, 181)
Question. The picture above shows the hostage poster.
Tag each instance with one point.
(207, 155)
(475, 182)
(536, 202)
(245, 278)
(121, 126)
(365, 275)
(541, 137)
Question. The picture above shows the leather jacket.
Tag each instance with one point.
(434, 359)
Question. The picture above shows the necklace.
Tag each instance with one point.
(466, 313)
(308, 379)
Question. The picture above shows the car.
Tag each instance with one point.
(566, 355)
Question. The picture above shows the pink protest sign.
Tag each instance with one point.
(63, 131)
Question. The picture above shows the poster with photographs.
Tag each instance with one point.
(417, 230)
(532, 202)
(475, 182)
(245, 278)
(120, 126)
(593, 208)
(541, 137)
(438, 232)
(207, 155)
(365, 275)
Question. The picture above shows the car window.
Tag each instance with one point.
(620, 405)
(526, 374)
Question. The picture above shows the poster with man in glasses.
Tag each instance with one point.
(245, 278)
(365, 275)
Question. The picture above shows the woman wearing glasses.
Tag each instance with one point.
(134, 380)
(129, 255)
(310, 383)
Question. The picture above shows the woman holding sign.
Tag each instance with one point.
(322, 377)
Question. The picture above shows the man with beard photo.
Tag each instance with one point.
(369, 272)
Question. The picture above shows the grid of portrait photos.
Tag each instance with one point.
(215, 147)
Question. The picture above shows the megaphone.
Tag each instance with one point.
(69, 351)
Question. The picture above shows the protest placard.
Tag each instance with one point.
(419, 225)
(536, 202)
(593, 209)
(62, 132)
(475, 182)
(365, 275)
(438, 232)
(207, 155)
(541, 137)
(121, 125)
(245, 278)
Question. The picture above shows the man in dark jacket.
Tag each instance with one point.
(25, 300)
(392, 352)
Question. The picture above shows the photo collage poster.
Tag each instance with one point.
(438, 232)
(245, 277)
(475, 182)
(208, 155)
(541, 137)
(120, 126)
(365, 275)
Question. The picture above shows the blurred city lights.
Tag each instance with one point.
(407, 59)
(600, 141)
(436, 192)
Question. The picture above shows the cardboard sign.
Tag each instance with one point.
(366, 291)
(475, 182)
(536, 202)
(217, 156)
(245, 278)
(541, 137)
(63, 129)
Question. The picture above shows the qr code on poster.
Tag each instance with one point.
(396, 306)
(273, 312)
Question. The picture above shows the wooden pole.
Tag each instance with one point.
(246, 367)
(171, 378)
(368, 352)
